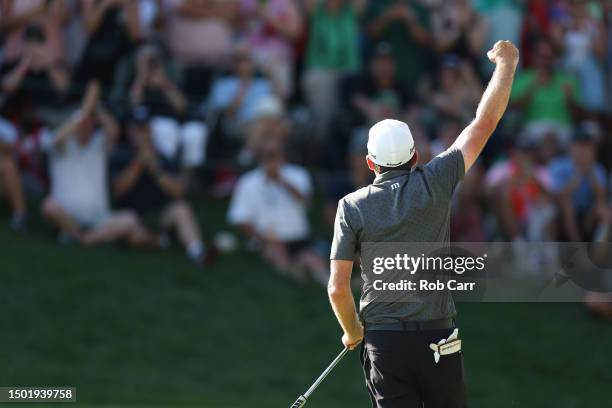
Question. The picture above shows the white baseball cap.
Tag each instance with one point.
(390, 143)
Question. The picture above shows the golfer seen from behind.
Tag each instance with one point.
(403, 364)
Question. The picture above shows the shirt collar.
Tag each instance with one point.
(390, 174)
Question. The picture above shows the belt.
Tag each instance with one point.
(414, 325)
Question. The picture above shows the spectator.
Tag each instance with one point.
(460, 31)
(152, 185)
(457, 90)
(49, 17)
(447, 130)
(238, 95)
(467, 215)
(171, 131)
(405, 24)
(33, 82)
(380, 93)
(78, 205)
(538, 23)
(200, 19)
(10, 177)
(333, 51)
(112, 27)
(520, 196)
(271, 29)
(152, 86)
(22, 169)
(505, 20)
(269, 126)
(235, 61)
(579, 182)
(547, 149)
(356, 176)
(583, 38)
(269, 206)
(546, 95)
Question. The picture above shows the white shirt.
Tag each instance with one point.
(79, 179)
(268, 207)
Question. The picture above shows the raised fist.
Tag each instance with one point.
(504, 52)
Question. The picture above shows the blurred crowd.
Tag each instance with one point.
(112, 112)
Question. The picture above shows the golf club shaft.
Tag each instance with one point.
(325, 373)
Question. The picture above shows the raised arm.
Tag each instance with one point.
(93, 13)
(108, 124)
(88, 106)
(13, 80)
(492, 105)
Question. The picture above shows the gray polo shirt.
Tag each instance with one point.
(400, 206)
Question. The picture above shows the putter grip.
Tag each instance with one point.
(300, 402)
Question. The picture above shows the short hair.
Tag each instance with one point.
(406, 166)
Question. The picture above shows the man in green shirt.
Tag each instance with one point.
(333, 51)
(405, 25)
(546, 95)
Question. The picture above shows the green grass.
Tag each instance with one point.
(148, 329)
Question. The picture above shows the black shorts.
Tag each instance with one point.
(401, 372)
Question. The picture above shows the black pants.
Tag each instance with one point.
(401, 372)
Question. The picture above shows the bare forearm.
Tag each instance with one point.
(59, 78)
(492, 105)
(343, 304)
(341, 297)
(126, 180)
(13, 80)
(108, 123)
(176, 98)
(67, 129)
(495, 98)
(170, 185)
(490, 111)
(93, 15)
